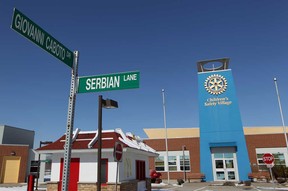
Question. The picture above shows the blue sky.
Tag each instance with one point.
(161, 39)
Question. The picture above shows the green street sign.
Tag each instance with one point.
(127, 80)
(36, 34)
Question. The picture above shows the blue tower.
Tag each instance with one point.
(223, 150)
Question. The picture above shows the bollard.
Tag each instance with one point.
(30, 184)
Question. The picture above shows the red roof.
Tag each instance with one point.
(109, 138)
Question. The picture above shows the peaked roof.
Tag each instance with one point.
(89, 140)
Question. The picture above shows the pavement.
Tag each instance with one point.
(214, 186)
(193, 186)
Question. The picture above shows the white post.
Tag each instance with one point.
(166, 143)
(281, 113)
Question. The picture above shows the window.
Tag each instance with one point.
(159, 163)
(175, 161)
(140, 170)
(278, 160)
(172, 162)
(47, 172)
(186, 163)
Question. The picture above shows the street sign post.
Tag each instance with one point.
(37, 35)
(268, 158)
(118, 153)
(127, 80)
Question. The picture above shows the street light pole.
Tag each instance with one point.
(109, 104)
(99, 142)
(166, 142)
(281, 113)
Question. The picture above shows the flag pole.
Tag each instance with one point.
(166, 143)
(281, 113)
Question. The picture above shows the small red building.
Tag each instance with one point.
(133, 174)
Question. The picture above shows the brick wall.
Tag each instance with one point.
(262, 141)
(192, 145)
(20, 150)
(130, 185)
(52, 186)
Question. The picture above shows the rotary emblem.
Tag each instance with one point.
(215, 84)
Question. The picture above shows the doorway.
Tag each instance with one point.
(10, 169)
(224, 163)
(74, 174)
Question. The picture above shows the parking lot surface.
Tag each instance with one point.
(210, 186)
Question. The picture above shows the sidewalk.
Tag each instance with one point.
(20, 187)
(193, 186)
(214, 186)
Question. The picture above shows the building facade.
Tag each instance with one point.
(15, 153)
(221, 149)
(133, 171)
(259, 140)
(222, 142)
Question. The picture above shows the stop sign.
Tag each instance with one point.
(268, 158)
(118, 152)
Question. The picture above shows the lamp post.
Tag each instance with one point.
(281, 113)
(166, 141)
(183, 161)
(39, 161)
(108, 104)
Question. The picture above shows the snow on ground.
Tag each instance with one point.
(16, 188)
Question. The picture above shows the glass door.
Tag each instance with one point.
(224, 167)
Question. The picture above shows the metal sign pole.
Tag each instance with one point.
(270, 169)
(70, 123)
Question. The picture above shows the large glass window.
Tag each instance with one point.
(278, 160)
(186, 163)
(159, 163)
(175, 161)
(172, 162)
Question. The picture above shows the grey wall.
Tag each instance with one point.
(1, 133)
(13, 135)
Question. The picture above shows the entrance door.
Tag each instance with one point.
(10, 169)
(225, 166)
(74, 174)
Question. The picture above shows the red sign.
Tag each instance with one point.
(118, 152)
(268, 158)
